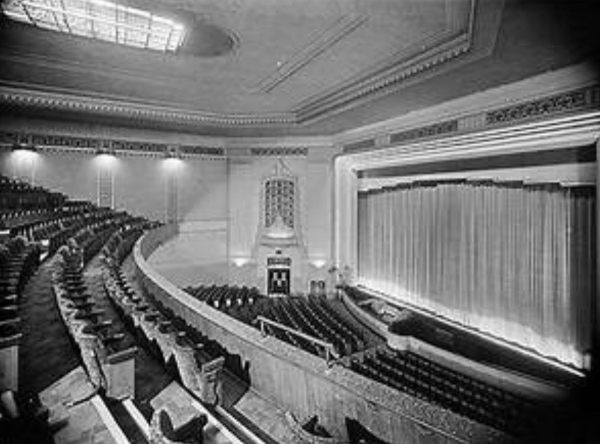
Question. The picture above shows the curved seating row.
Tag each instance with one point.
(95, 336)
(422, 378)
(18, 195)
(311, 315)
(224, 296)
(33, 222)
(184, 352)
(18, 261)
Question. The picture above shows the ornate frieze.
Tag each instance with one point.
(434, 130)
(19, 97)
(95, 143)
(279, 151)
(360, 145)
(563, 103)
(570, 102)
(467, 33)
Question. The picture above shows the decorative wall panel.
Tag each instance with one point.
(105, 187)
(95, 143)
(171, 197)
(564, 103)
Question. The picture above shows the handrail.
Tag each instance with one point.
(328, 346)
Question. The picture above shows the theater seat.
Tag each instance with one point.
(188, 433)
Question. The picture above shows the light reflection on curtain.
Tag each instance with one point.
(510, 259)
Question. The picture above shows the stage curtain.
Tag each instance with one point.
(510, 259)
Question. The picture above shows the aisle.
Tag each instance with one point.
(46, 353)
(150, 375)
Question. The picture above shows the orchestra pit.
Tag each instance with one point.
(299, 221)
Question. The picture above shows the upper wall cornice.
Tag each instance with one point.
(27, 98)
(564, 92)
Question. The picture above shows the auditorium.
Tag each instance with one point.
(299, 221)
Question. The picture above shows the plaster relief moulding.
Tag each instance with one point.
(567, 90)
(535, 136)
(67, 102)
(452, 49)
(462, 41)
(376, 86)
(61, 142)
(280, 220)
(333, 33)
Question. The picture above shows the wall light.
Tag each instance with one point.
(24, 153)
(172, 152)
(105, 157)
(240, 261)
(319, 263)
(172, 159)
(24, 158)
(172, 164)
(105, 151)
(24, 147)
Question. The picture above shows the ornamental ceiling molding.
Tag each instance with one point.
(336, 31)
(362, 91)
(451, 48)
(455, 46)
(58, 101)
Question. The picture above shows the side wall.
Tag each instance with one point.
(217, 196)
(219, 249)
(140, 180)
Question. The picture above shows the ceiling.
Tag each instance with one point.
(274, 67)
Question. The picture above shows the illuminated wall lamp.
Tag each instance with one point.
(105, 152)
(24, 147)
(319, 263)
(240, 261)
(172, 153)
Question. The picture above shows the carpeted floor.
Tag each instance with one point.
(46, 353)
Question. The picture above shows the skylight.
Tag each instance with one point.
(99, 19)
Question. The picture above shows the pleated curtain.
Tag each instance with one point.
(510, 259)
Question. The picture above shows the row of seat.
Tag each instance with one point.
(33, 228)
(224, 296)
(315, 317)
(14, 219)
(280, 315)
(184, 351)
(246, 304)
(18, 260)
(120, 243)
(86, 322)
(434, 383)
(322, 310)
(243, 303)
(312, 316)
(18, 195)
(21, 221)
